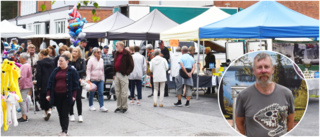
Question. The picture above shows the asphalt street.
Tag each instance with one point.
(202, 118)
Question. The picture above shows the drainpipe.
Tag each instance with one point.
(16, 18)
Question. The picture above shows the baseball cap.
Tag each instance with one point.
(84, 40)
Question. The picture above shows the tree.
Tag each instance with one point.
(8, 9)
(279, 72)
(80, 3)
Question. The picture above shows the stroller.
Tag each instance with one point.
(109, 84)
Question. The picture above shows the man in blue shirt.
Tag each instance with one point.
(105, 56)
(187, 66)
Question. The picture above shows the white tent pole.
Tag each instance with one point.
(260, 45)
(203, 52)
(198, 69)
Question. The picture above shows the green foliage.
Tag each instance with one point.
(85, 3)
(78, 6)
(96, 5)
(93, 12)
(8, 9)
(43, 7)
(95, 18)
(53, 2)
(279, 71)
(301, 96)
(298, 115)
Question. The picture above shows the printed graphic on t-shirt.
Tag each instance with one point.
(273, 118)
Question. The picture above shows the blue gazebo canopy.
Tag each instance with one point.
(265, 19)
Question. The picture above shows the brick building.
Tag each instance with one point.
(309, 8)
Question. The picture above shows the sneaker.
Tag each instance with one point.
(72, 118)
(138, 103)
(48, 116)
(23, 120)
(132, 102)
(161, 105)
(155, 104)
(178, 104)
(103, 109)
(117, 110)
(80, 119)
(187, 104)
(63, 134)
(92, 108)
(150, 95)
(124, 110)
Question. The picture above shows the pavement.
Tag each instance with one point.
(202, 118)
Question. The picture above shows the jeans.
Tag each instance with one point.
(133, 84)
(79, 102)
(63, 108)
(100, 93)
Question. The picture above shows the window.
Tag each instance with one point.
(37, 29)
(30, 26)
(60, 27)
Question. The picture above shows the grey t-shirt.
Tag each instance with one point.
(265, 115)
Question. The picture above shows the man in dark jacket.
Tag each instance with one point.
(164, 53)
(123, 66)
(210, 58)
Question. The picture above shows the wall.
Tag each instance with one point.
(177, 3)
(47, 3)
(102, 13)
(28, 7)
(137, 13)
(309, 8)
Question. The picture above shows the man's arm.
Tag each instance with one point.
(240, 125)
(290, 121)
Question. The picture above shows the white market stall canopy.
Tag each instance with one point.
(9, 30)
(48, 36)
(189, 31)
(146, 28)
(113, 22)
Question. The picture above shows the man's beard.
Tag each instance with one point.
(264, 83)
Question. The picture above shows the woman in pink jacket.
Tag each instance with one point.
(95, 74)
(25, 84)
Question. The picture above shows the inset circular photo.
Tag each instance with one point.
(263, 94)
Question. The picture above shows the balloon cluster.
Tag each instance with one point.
(75, 26)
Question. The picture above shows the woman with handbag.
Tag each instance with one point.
(158, 66)
(62, 89)
(95, 75)
(80, 65)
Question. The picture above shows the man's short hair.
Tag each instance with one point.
(157, 52)
(136, 48)
(31, 45)
(178, 49)
(149, 46)
(120, 43)
(260, 56)
(24, 55)
(184, 49)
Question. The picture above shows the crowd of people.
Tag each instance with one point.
(58, 72)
